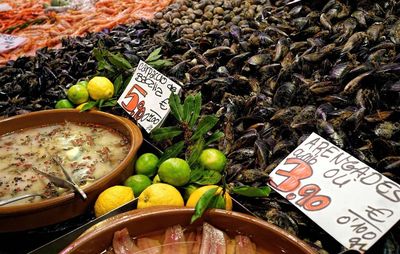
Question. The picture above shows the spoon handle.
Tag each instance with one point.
(11, 200)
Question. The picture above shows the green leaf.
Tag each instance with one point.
(176, 107)
(188, 107)
(38, 21)
(59, 3)
(102, 63)
(100, 103)
(196, 174)
(89, 105)
(108, 67)
(214, 137)
(100, 66)
(160, 63)
(203, 203)
(250, 191)
(209, 177)
(196, 110)
(125, 83)
(154, 55)
(117, 84)
(195, 151)
(159, 134)
(205, 124)
(119, 61)
(110, 103)
(218, 201)
(98, 54)
(172, 151)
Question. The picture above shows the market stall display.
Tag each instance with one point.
(271, 72)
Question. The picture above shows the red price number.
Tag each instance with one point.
(301, 171)
(134, 102)
(140, 111)
(311, 201)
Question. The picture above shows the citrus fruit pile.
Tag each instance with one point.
(166, 183)
(83, 92)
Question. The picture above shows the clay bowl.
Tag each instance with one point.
(28, 216)
(145, 221)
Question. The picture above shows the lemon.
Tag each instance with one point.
(138, 183)
(174, 171)
(78, 94)
(100, 88)
(146, 164)
(64, 103)
(196, 195)
(160, 194)
(112, 198)
(212, 159)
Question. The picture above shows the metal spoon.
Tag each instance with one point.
(59, 182)
(69, 178)
(11, 200)
(69, 182)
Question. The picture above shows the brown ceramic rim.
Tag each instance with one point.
(135, 136)
(117, 222)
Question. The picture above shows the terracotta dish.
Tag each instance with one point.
(55, 210)
(144, 221)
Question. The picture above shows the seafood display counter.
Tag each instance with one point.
(271, 71)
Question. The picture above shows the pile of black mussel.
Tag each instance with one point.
(274, 71)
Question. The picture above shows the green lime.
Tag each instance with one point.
(157, 179)
(138, 183)
(189, 190)
(82, 83)
(174, 171)
(146, 164)
(64, 103)
(78, 94)
(212, 159)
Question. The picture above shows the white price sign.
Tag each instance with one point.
(8, 42)
(351, 201)
(146, 96)
(5, 7)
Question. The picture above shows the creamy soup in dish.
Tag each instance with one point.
(87, 152)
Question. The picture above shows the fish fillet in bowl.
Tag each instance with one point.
(168, 230)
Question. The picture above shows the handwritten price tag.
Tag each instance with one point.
(351, 201)
(146, 96)
(8, 42)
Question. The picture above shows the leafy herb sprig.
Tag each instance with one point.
(155, 61)
(212, 200)
(120, 70)
(193, 133)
